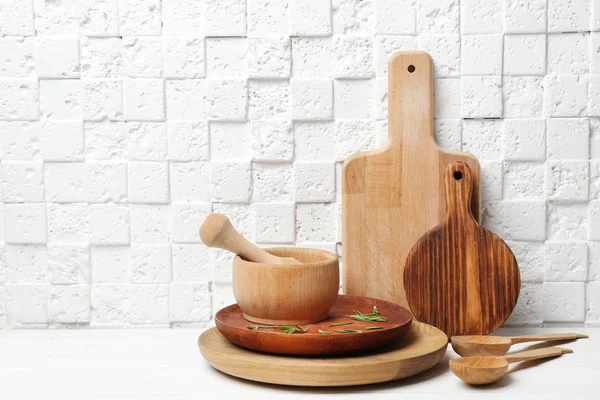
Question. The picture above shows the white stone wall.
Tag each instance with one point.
(123, 123)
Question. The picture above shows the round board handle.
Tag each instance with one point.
(458, 183)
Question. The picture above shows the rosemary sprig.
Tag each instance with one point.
(342, 323)
(257, 327)
(292, 329)
(283, 328)
(373, 327)
(348, 331)
(322, 332)
(375, 316)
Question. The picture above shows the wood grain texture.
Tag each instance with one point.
(287, 294)
(393, 195)
(231, 323)
(459, 276)
(417, 351)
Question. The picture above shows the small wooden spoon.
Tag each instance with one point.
(484, 370)
(217, 231)
(477, 345)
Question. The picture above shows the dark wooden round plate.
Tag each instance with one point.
(231, 323)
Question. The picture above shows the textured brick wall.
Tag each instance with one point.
(123, 123)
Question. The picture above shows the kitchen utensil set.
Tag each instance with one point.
(411, 239)
(484, 360)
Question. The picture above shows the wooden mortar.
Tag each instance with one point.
(277, 294)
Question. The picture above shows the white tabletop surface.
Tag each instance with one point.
(166, 364)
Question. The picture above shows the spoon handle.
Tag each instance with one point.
(547, 336)
(537, 353)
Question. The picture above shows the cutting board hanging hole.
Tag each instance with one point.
(411, 68)
(458, 192)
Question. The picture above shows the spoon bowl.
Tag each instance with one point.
(469, 346)
(479, 370)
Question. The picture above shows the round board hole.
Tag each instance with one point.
(411, 68)
(457, 175)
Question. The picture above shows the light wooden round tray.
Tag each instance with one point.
(419, 350)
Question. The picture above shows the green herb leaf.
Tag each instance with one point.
(373, 327)
(322, 332)
(368, 318)
(373, 317)
(348, 331)
(282, 328)
(292, 329)
(342, 323)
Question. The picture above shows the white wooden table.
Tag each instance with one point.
(166, 364)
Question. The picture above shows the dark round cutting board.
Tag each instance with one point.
(460, 277)
(231, 323)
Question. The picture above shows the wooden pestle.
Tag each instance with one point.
(217, 231)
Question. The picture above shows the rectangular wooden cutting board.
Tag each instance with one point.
(393, 195)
